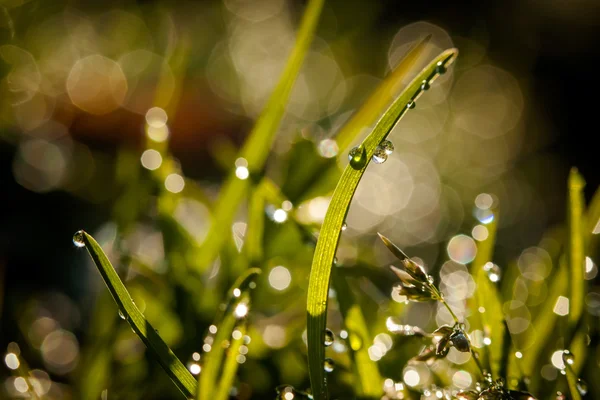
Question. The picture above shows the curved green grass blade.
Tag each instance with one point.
(382, 96)
(225, 322)
(178, 373)
(258, 146)
(318, 286)
(576, 247)
(306, 184)
(487, 296)
(358, 334)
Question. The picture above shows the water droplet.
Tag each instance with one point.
(379, 155)
(121, 315)
(430, 279)
(493, 271)
(78, 239)
(387, 146)
(328, 365)
(560, 396)
(568, 357)
(425, 85)
(329, 338)
(344, 226)
(582, 387)
(335, 260)
(440, 68)
(357, 157)
(411, 104)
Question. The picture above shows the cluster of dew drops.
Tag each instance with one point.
(357, 156)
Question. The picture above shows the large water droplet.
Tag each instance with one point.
(387, 146)
(78, 239)
(329, 338)
(425, 85)
(493, 271)
(379, 155)
(411, 104)
(582, 387)
(328, 365)
(357, 157)
(440, 68)
(568, 357)
(121, 315)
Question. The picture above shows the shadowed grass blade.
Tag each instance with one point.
(225, 323)
(487, 298)
(330, 231)
(258, 146)
(178, 373)
(576, 248)
(358, 335)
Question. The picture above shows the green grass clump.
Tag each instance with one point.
(227, 322)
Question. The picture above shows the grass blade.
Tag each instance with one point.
(576, 247)
(572, 381)
(308, 181)
(381, 97)
(230, 367)
(258, 146)
(225, 322)
(487, 296)
(358, 334)
(318, 286)
(178, 373)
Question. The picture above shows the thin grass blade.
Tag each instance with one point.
(358, 334)
(231, 366)
(572, 381)
(487, 298)
(576, 248)
(338, 208)
(381, 97)
(258, 146)
(225, 322)
(178, 373)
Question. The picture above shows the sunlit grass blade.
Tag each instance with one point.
(258, 146)
(230, 366)
(358, 335)
(576, 247)
(225, 323)
(487, 299)
(178, 373)
(308, 182)
(331, 229)
(544, 322)
(572, 381)
(382, 96)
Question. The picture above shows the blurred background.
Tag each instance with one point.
(116, 114)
